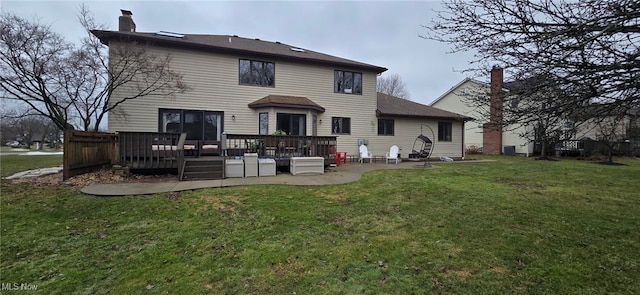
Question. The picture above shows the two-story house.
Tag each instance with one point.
(461, 99)
(251, 86)
(464, 97)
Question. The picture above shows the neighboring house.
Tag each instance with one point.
(457, 100)
(621, 132)
(607, 125)
(252, 86)
(479, 134)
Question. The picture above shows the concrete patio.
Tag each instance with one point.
(345, 173)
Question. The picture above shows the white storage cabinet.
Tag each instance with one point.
(251, 165)
(234, 168)
(266, 167)
(306, 165)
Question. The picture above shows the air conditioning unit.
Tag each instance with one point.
(348, 90)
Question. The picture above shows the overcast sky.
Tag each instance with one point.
(380, 33)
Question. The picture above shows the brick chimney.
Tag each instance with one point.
(125, 22)
(492, 131)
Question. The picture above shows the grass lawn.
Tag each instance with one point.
(515, 226)
(10, 164)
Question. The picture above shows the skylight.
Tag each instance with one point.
(296, 49)
(170, 34)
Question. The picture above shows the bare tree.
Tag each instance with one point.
(392, 85)
(530, 104)
(589, 50)
(8, 132)
(26, 125)
(71, 85)
(610, 131)
(32, 68)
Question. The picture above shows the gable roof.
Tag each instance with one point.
(456, 87)
(505, 88)
(284, 101)
(235, 45)
(397, 107)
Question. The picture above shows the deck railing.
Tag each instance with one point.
(151, 150)
(281, 147)
(592, 147)
(158, 150)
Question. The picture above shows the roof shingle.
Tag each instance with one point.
(397, 107)
(295, 102)
(237, 45)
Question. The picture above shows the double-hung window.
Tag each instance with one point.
(347, 82)
(254, 72)
(385, 126)
(340, 125)
(445, 131)
(263, 123)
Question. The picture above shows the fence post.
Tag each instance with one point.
(65, 160)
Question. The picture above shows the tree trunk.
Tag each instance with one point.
(545, 147)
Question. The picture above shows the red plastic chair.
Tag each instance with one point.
(341, 157)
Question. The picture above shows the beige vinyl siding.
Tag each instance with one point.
(214, 83)
(514, 137)
(407, 130)
(455, 101)
(603, 127)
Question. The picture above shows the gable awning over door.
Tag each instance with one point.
(284, 101)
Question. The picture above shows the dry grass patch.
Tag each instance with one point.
(464, 274)
(333, 197)
(226, 203)
(498, 269)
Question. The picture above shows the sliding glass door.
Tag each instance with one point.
(198, 125)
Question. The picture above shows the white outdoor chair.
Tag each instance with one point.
(392, 154)
(364, 154)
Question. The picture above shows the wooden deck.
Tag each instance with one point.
(171, 151)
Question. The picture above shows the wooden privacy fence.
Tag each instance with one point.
(87, 151)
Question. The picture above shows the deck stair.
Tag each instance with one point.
(203, 168)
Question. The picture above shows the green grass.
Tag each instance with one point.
(515, 226)
(10, 164)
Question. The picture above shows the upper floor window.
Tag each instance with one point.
(340, 125)
(385, 126)
(445, 131)
(261, 73)
(347, 82)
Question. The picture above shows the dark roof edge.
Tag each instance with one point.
(106, 36)
(286, 105)
(462, 118)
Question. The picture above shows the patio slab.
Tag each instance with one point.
(334, 175)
